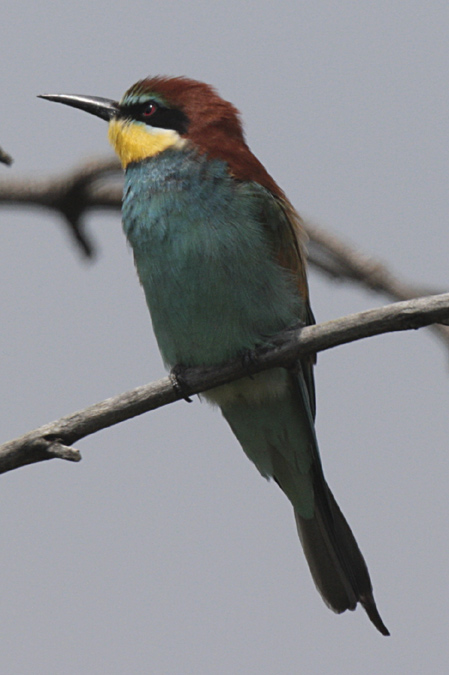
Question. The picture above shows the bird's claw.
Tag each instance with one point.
(249, 358)
(179, 383)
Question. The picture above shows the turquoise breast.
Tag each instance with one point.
(204, 257)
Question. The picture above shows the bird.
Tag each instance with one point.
(220, 253)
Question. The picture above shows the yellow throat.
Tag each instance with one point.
(134, 141)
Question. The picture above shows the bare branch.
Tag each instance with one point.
(71, 195)
(90, 187)
(56, 438)
(98, 185)
(339, 260)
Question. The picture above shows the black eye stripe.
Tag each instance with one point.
(162, 117)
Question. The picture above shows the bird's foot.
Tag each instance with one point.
(249, 358)
(179, 383)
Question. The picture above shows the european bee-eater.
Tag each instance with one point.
(219, 252)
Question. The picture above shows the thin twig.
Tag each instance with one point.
(56, 438)
(5, 158)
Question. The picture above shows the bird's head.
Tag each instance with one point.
(158, 113)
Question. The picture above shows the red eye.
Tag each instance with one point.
(149, 110)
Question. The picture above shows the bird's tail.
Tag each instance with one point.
(334, 558)
(276, 430)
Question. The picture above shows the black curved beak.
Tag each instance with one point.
(101, 107)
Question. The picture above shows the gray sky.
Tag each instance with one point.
(164, 551)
